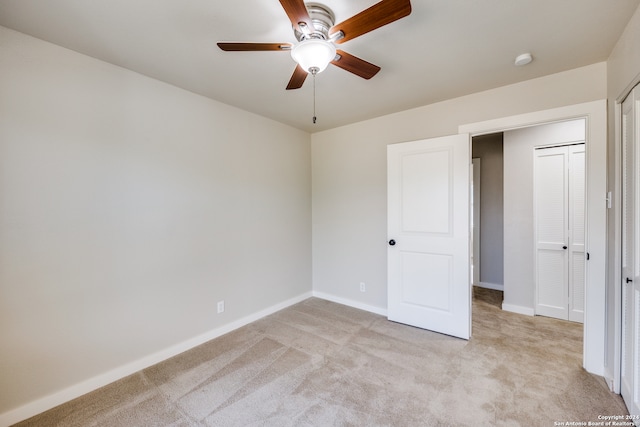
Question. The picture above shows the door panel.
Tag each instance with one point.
(426, 184)
(551, 213)
(428, 220)
(435, 293)
(576, 287)
(552, 284)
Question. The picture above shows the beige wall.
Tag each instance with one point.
(349, 174)
(623, 65)
(128, 208)
(623, 70)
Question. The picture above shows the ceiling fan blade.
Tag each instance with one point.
(298, 15)
(378, 15)
(297, 79)
(355, 65)
(247, 47)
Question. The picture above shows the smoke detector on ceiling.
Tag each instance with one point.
(523, 59)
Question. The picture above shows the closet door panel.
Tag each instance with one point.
(576, 287)
(551, 213)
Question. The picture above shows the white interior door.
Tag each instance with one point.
(429, 234)
(551, 217)
(630, 363)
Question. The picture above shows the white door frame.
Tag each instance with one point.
(475, 215)
(595, 113)
(615, 201)
(629, 290)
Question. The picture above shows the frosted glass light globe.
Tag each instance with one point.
(313, 54)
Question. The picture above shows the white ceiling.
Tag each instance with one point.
(444, 49)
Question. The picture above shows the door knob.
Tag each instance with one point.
(392, 242)
(564, 247)
(629, 280)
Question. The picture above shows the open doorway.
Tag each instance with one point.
(488, 224)
(595, 226)
(528, 219)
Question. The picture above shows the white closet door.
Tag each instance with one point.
(560, 231)
(551, 213)
(630, 366)
(576, 232)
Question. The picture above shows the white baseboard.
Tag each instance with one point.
(528, 311)
(487, 285)
(351, 303)
(44, 404)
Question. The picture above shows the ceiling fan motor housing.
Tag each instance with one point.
(322, 18)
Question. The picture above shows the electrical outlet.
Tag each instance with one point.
(220, 307)
(363, 287)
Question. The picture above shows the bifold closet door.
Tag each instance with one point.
(559, 231)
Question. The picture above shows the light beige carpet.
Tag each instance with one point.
(323, 364)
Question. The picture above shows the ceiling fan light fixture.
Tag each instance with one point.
(313, 54)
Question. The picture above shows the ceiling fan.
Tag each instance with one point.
(314, 28)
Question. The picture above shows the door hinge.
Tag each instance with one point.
(588, 256)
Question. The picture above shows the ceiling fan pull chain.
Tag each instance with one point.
(314, 98)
